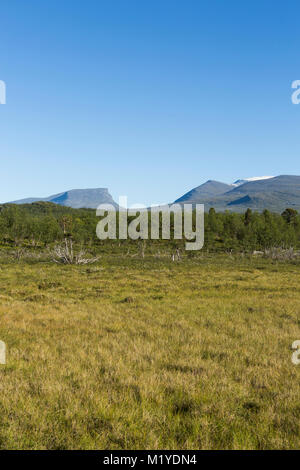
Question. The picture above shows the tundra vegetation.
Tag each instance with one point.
(149, 347)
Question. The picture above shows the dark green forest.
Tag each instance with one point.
(41, 224)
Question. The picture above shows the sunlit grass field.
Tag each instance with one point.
(150, 354)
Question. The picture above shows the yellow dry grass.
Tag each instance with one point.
(150, 355)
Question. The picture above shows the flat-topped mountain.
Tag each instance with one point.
(76, 198)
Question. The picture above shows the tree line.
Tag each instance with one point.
(42, 223)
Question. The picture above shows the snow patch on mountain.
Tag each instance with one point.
(248, 180)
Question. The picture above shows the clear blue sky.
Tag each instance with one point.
(147, 98)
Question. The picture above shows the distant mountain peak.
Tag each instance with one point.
(209, 189)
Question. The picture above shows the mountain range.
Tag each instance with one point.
(258, 193)
(273, 193)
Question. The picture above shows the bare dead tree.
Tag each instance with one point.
(278, 253)
(18, 253)
(66, 254)
(176, 256)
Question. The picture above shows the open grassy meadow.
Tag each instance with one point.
(150, 354)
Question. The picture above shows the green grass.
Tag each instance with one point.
(150, 354)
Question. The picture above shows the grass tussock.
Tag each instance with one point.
(150, 355)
